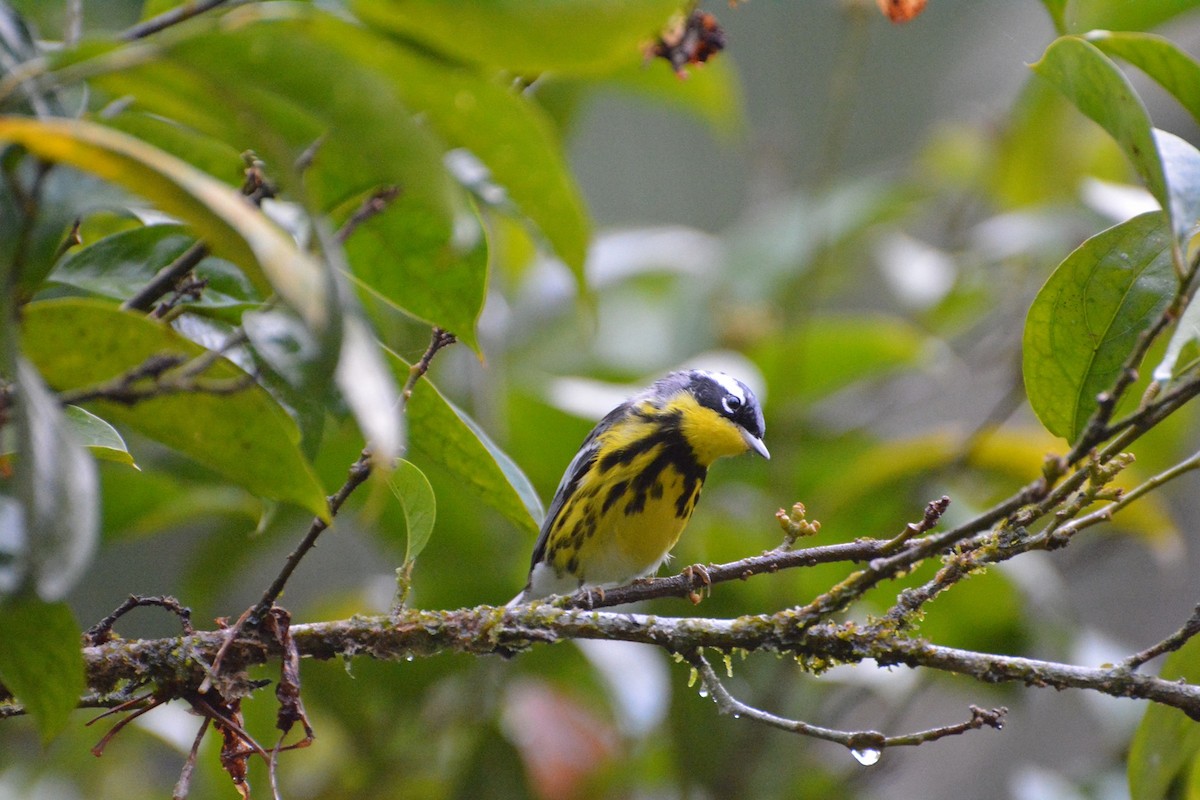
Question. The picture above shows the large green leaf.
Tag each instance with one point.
(1122, 15)
(445, 435)
(244, 436)
(415, 261)
(576, 36)
(1167, 739)
(294, 84)
(1160, 58)
(511, 136)
(1084, 322)
(1169, 166)
(41, 661)
(206, 153)
(231, 227)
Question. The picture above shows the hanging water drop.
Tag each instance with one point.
(704, 691)
(409, 657)
(868, 756)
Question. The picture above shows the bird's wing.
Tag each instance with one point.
(579, 466)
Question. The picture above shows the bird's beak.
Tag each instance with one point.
(756, 444)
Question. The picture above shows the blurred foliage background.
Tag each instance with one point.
(851, 216)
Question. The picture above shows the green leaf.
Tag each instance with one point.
(118, 266)
(231, 227)
(1087, 317)
(446, 436)
(1167, 739)
(511, 135)
(244, 436)
(98, 436)
(513, 138)
(90, 431)
(579, 36)
(41, 661)
(413, 260)
(306, 83)
(1055, 9)
(1160, 58)
(1122, 15)
(204, 152)
(289, 364)
(57, 523)
(1101, 91)
(411, 488)
(63, 196)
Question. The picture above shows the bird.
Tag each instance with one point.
(628, 493)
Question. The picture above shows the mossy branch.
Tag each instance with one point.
(176, 664)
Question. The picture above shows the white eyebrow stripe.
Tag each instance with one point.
(729, 383)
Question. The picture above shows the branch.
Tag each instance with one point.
(179, 662)
(374, 205)
(255, 188)
(169, 18)
(166, 278)
(1168, 645)
(163, 374)
(691, 580)
(865, 745)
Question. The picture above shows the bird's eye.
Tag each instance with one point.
(732, 403)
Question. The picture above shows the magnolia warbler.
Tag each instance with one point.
(631, 488)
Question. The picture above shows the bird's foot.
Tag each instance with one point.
(698, 572)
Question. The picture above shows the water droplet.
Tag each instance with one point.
(703, 691)
(868, 756)
(737, 716)
(409, 657)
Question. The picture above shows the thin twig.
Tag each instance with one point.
(1168, 645)
(686, 582)
(359, 471)
(374, 205)
(184, 784)
(933, 514)
(159, 375)
(102, 630)
(169, 18)
(1104, 514)
(166, 278)
(861, 742)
